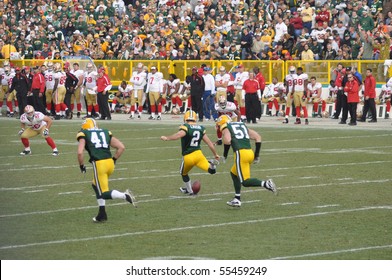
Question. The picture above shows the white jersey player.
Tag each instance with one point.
(239, 80)
(49, 85)
(222, 80)
(32, 124)
(139, 80)
(174, 88)
(300, 86)
(154, 90)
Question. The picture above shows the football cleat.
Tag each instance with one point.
(130, 198)
(234, 203)
(218, 142)
(298, 121)
(78, 114)
(286, 120)
(151, 118)
(270, 185)
(213, 163)
(139, 117)
(25, 152)
(101, 217)
(306, 122)
(55, 153)
(185, 191)
(159, 118)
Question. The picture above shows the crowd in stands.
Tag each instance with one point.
(197, 29)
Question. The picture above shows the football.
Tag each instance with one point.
(196, 186)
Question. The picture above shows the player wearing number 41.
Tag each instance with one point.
(191, 135)
(238, 135)
(97, 142)
(34, 123)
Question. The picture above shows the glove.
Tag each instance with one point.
(114, 159)
(82, 168)
(46, 132)
(345, 93)
(256, 160)
(20, 131)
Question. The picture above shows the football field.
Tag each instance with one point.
(334, 201)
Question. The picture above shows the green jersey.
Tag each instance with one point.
(239, 135)
(191, 141)
(97, 143)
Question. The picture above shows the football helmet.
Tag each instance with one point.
(190, 116)
(6, 63)
(89, 67)
(29, 111)
(57, 67)
(7, 69)
(325, 114)
(89, 123)
(292, 69)
(50, 66)
(175, 111)
(222, 102)
(223, 119)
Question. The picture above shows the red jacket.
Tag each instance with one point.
(339, 78)
(38, 82)
(370, 86)
(251, 86)
(102, 83)
(260, 78)
(352, 89)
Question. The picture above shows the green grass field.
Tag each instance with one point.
(334, 202)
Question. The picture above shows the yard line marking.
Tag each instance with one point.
(211, 199)
(251, 201)
(289, 203)
(65, 193)
(326, 206)
(176, 229)
(35, 191)
(310, 177)
(352, 250)
(178, 160)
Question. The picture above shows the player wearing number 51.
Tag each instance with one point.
(97, 142)
(238, 136)
(33, 123)
(191, 135)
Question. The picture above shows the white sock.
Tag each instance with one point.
(101, 202)
(188, 186)
(117, 195)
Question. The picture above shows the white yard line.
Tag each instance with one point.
(350, 250)
(198, 227)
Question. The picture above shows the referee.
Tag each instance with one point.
(252, 95)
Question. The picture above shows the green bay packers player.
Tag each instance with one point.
(191, 135)
(238, 136)
(97, 142)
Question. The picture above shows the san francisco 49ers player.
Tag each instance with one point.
(222, 80)
(314, 92)
(272, 96)
(90, 81)
(240, 78)
(33, 123)
(123, 96)
(79, 73)
(59, 91)
(227, 108)
(49, 85)
(299, 89)
(289, 82)
(6, 81)
(139, 80)
(173, 86)
(386, 92)
(154, 89)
